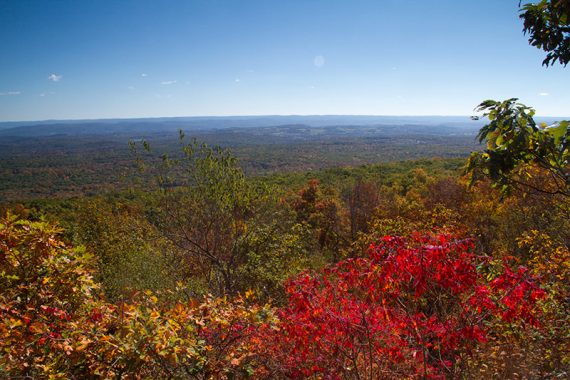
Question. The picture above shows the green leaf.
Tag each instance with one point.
(499, 140)
(559, 131)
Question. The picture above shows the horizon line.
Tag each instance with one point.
(244, 116)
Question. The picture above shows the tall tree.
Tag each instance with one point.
(231, 233)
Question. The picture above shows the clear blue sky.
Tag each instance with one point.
(140, 58)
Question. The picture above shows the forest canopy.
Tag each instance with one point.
(433, 268)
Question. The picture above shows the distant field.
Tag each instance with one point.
(92, 158)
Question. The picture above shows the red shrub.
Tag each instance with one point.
(412, 308)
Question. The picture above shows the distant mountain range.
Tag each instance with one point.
(443, 125)
(153, 125)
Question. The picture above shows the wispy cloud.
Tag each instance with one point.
(319, 61)
(46, 93)
(237, 80)
(168, 82)
(55, 77)
(543, 94)
(10, 93)
(144, 75)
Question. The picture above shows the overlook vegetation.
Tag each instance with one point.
(389, 270)
(362, 253)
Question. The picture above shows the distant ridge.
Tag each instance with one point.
(166, 124)
(350, 119)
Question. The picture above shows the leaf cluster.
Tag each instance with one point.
(547, 23)
(515, 141)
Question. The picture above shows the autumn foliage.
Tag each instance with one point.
(413, 308)
(45, 289)
(55, 324)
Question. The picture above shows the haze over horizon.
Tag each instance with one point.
(103, 119)
(70, 60)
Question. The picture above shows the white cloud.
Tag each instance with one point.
(10, 93)
(237, 80)
(55, 77)
(543, 94)
(144, 75)
(131, 87)
(319, 61)
(168, 82)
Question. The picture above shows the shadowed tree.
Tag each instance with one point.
(547, 23)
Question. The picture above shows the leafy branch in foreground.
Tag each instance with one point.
(519, 149)
(548, 25)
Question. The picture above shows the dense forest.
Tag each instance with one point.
(202, 262)
(91, 158)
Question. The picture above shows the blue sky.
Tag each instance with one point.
(79, 59)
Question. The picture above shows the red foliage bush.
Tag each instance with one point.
(414, 307)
